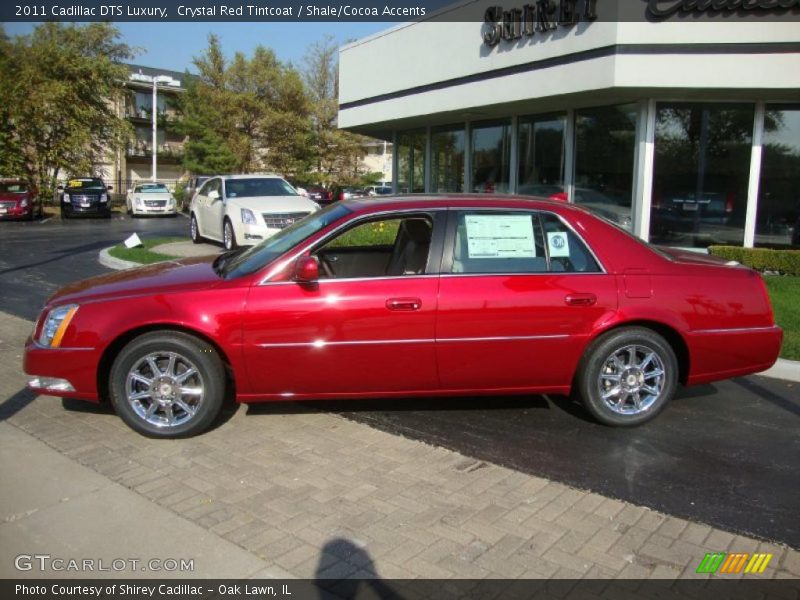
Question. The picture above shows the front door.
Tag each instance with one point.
(367, 326)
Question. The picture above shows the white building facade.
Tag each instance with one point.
(685, 130)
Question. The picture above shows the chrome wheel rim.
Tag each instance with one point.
(631, 379)
(228, 236)
(165, 389)
(193, 226)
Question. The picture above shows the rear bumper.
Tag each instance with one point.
(723, 353)
(78, 366)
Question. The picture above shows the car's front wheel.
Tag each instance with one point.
(228, 236)
(167, 385)
(627, 376)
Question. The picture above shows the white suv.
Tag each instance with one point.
(245, 209)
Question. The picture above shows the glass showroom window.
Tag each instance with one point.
(491, 157)
(411, 162)
(447, 162)
(778, 215)
(701, 171)
(604, 145)
(541, 156)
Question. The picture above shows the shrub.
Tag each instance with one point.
(761, 259)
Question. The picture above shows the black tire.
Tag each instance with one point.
(599, 373)
(189, 353)
(228, 235)
(194, 230)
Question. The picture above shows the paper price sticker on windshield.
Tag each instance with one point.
(558, 243)
(500, 236)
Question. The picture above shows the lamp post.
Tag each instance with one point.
(155, 80)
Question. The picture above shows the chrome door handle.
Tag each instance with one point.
(587, 299)
(403, 303)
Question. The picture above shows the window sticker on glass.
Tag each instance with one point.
(500, 236)
(558, 244)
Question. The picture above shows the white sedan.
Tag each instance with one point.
(244, 210)
(151, 199)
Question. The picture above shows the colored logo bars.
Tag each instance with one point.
(734, 562)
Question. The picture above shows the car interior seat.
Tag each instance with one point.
(410, 253)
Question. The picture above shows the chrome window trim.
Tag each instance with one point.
(323, 344)
(282, 265)
(537, 211)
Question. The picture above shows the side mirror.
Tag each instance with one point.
(60, 187)
(130, 190)
(306, 269)
(213, 195)
(110, 188)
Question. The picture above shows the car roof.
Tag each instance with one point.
(252, 176)
(423, 201)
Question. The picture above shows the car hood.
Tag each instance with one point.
(14, 197)
(153, 196)
(270, 204)
(165, 277)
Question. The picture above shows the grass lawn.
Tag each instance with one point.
(784, 292)
(142, 254)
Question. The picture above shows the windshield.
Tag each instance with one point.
(152, 188)
(252, 187)
(9, 187)
(257, 257)
(85, 184)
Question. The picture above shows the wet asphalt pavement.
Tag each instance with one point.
(726, 454)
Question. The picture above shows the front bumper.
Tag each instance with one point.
(154, 210)
(77, 366)
(16, 212)
(99, 208)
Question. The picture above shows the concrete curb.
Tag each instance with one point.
(105, 259)
(788, 370)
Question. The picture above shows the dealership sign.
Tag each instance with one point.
(667, 8)
(537, 17)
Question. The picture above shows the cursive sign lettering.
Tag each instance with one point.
(667, 8)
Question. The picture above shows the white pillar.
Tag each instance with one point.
(643, 168)
(755, 177)
(513, 171)
(153, 173)
(569, 155)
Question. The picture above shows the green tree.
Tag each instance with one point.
(244, 115)
(59, 91)
(337, 153)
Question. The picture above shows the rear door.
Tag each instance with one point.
(519, 294)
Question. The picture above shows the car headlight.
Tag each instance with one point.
(66, 197)
(24, 203)
(138, 201)
(103, 197)
(248, 218)
(55, 324)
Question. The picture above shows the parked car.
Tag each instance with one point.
(17, 199)
(379, 190)
(150, 199)
(609, 207)
(245, 209)
(191, 188)
(466, 295)
(340, 193)
(320, 195)
(86, 196)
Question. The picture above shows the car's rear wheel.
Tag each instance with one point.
(627, 376)
(194, 230)
(167, 385)
(228, 235)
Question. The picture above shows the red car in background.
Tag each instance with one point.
(415, 296)
(17, 199)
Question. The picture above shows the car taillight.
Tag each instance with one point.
(561, 196)
(341, 196)
(729, 203)
(656, 200)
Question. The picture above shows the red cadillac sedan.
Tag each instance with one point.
(408, 296)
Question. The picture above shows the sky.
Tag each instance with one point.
(173, 45)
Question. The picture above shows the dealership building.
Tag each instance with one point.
(683, 128)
